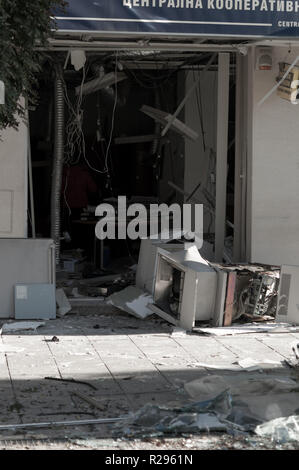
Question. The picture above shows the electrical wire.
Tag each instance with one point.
(113, 114)
(75, 140)
(147, 81)
(200, 111)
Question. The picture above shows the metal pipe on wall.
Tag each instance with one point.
(58, 162)
(65, 44)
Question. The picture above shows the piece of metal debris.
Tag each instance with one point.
(251, 365)
(73, 381)
(10, 427)
(245, 329)
(21, 326)
(132, 300)
(63, 303)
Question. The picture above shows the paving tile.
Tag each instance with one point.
(281, 344)
(250, 348)
(207, 350)
(4, 374)
(129, 362)
(125, 349)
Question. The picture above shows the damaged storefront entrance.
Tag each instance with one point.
(156, 339)
(148, 125)
(156, 127)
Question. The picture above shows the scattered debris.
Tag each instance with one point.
(21, 326)
(62, 302)
(239, 329)
(253, 365)
(178, 332)
(73, 381)
(206, 416)
(132, 300)
(190, 422)
(55, 339)
(228, 313)
(221, 294)
(281, 429)
(68, 413)
(90, 401)
(255, 400)
(12, 427)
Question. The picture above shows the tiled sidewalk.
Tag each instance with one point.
(125, 363)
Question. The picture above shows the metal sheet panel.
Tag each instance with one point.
(288, 296)
(242, 18)
(35, 302)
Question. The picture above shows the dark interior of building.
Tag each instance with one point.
(112, 148)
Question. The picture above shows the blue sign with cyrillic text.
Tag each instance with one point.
(240, 18)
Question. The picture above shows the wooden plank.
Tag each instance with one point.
(230, 299)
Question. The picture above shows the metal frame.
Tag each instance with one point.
(249, 153)
(141, 45)
(92, 43)
(222, 148)
(240, 162)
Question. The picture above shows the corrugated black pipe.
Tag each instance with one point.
(58, 161)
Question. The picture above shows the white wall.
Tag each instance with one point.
(274, 171)
(13, 183)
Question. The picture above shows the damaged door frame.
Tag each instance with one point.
(241, 236)
(243, 152)
(221, 153)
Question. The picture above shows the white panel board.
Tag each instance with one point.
(274, 170)
(13, 182)
(288, 296)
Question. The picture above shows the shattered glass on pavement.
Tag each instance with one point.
(280, 430)
(206, 416)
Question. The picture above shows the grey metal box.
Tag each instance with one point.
(23, 261)
(35, 302)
